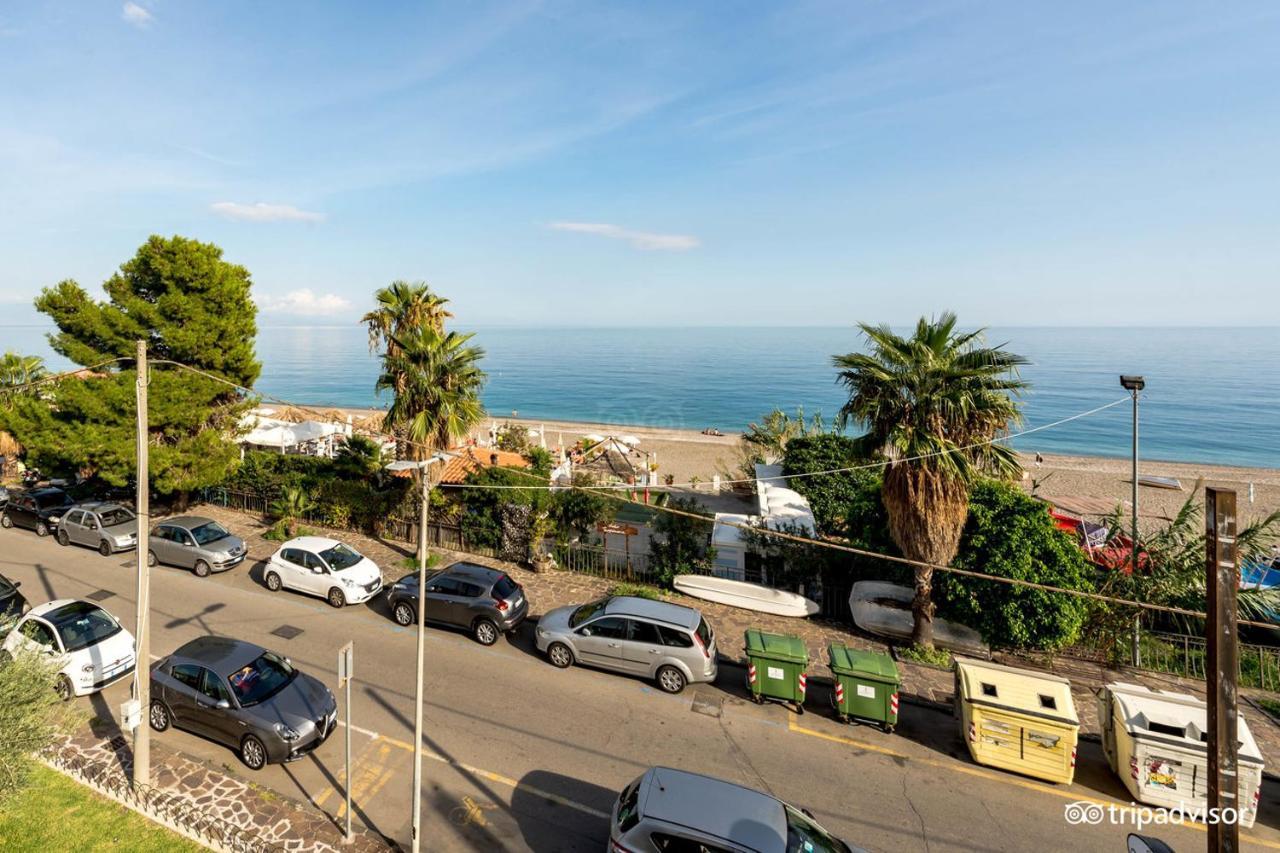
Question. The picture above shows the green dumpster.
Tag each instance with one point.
(775, 667)
(866, 685)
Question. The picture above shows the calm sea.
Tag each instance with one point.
(1213, 395)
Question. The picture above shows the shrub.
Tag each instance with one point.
(637, 590)
(680, 544)
(31, 715)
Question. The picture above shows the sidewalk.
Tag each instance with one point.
(217, 808)
(920, 683)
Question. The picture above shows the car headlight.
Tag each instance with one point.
(54, 519)
(287, 733)
(87, 668)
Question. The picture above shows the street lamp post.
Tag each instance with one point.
(1134, 385)
(423, 516)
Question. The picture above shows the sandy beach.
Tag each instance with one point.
(686, 454)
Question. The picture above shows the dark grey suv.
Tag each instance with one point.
(486, 602)
(243, 696)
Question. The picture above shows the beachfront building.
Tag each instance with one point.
(778, 507)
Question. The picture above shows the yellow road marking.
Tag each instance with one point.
(369, 780)
(329, 790)
(1073, 796)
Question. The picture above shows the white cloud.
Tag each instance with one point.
(263, 212)
(304, 303)
(136, 15)
(645, 240)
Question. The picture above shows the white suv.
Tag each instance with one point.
(93, 649)
(325, 567)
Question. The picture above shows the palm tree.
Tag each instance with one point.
(932, 404)
(17, 369)
(292, 504)
(771, 435)
(436, 378)
(359, 456)
(403, 306)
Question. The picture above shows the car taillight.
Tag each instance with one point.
(616, 847)
(500, 604)
(705, 651)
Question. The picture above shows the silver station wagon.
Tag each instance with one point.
(669, 643)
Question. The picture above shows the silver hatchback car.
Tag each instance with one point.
(669, 809)
(669, 643)
(108, 527)
(197, 543)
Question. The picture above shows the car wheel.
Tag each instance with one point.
(403, 613)
(559, 655)
(485, 632)
(151, 559)
(159, 715)
(42, 529)
(201, 569)
(670, 679)
(5, 521)
(63, 538)
(336, 598)
(64, 689)
(253, 753)
(273, 581)
(104, 548)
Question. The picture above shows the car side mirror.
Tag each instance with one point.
(586, 632)
(17, 584)
(222, 704)
(317, 570)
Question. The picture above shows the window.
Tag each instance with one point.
(989, 690)
(444, 586)
(675, 637)
(311, 561)
(1048, 702)
(628, 807)
(82, 625)
(73, 517)
(586, 611)
(805, 836)
(211, 532)
(50, 500)
(211, 687)
(115, 516)
(469, 590)
(611, 627)
(505, 587)
(259, 681)
(644, 632)
(340, 557)
(666, 843)
(187, 674)
(38, 633)
(293, 555)
(162, 532)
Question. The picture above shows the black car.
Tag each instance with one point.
(36, 509)
(12, 603)
(486, 602)
(242, 696)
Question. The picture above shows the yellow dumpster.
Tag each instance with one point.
(1017, 719)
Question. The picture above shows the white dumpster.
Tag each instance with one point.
(1156, 742)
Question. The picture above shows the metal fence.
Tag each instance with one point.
(603, 562)
(1183, 654)
(162, 805)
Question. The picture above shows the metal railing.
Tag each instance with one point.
(1185, 655)
(603, 562)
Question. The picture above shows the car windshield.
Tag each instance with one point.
(114, 517)
(505, 588)
(52, 499)
(262, 679)
(211, 532)
(6, 586)
(340, 557)
(805, 836)
(586, 611)
(87, 627)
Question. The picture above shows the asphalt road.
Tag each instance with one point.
(523, 756)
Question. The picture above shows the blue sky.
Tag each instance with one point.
(659, 163)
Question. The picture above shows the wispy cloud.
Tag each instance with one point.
(263, 212)
(134, 14)
(305, 303)
(645, 240)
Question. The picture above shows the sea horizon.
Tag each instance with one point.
(1212, 396)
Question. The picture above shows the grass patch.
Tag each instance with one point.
(1271, 706)
(938, 657)
(411, 563)
(637, 590)
(58, 813)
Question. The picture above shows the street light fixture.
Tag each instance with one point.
(1134, 385)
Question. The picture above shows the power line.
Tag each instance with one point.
(54, 377)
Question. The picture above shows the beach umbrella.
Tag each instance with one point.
(629, 440)
(594, 437)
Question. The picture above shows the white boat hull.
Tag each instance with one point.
(748, 596)
(896, 622)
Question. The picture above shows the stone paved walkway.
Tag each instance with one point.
(219, 807)
(920, 683)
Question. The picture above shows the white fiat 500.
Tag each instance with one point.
(92, 648)
(325, 567)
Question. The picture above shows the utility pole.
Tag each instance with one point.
(424, 514)
(1221, 579)
(1134, 385)
(142, 634)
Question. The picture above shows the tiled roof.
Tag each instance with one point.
(467, 459)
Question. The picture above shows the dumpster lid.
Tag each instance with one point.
(1023, 691)
(1175, 719)
(847, 661)
(781, 647)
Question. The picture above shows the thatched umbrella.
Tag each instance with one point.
(9, 445)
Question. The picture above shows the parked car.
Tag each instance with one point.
(197, 543)
(36, 509)
(670, 643)
(668, 809)
(93, 649)
(108, 527)
(4, 493)
(12, 603)
(486, 602)
(244, 697)
(325, 567)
